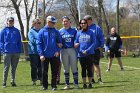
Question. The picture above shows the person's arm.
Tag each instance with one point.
(40, 43)
(31, 37)
(93, 40)
(2, 41)
(76, 41)
(120, 43)
(101, 37)
(107, 43)
(59, 40)
(19, 42)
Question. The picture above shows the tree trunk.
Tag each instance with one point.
(21, 26)
(106, 21)
(100, 13)
(117, 18)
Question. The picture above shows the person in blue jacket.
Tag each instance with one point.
(68, 52)
(49, 43)
(98, 46)
(85, 43)
(35, 62)
(11, 47)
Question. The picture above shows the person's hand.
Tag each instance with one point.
(56, 54)
(85, 52)
(108, 51)
(42, 58)
(76, 45)
(59, 45)
(100, 49)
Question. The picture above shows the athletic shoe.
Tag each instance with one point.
(66, 87)
(4, 85)
(90, 85)
(13, 84)
(53, 89)
(107, 70)
(84, 86)
(100, 81)
(44, 88)
(76, 86)
(122, 69)
(33, 83)
(93, 81)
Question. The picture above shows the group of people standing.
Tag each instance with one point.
(65, 46)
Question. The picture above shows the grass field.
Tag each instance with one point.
(115, 81)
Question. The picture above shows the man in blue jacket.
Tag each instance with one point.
(10, 45)
(98, 46)
(48, 45)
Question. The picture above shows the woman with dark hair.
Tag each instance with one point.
(85, 43)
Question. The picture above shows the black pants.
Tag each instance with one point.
(86, 65)
(36, 70)
(54, 62)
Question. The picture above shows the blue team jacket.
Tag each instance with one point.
(32, 36)
(47, 40)
(98, 34)
(10, 40)
(87, 42)
(68, 37)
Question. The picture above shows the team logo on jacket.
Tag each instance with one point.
(92, 30)
(14, 32)
(113, 38)
(53, 34)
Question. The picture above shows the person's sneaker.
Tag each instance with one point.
(107, 70)
(33, 83)
(4, 85)
(100, 81)
(66, 87)
(13, 84)
(84, 86)
(76, 86)
(122, 69)
(93, 81)
(53, 89)
(90, 85)
(43, 88)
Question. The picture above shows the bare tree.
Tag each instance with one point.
(73, 9)
(28, 12)
(100, 2)
(117, 17)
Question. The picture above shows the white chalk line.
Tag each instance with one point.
(123, 66)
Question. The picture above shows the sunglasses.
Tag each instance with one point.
(83, 23)
(38, 23)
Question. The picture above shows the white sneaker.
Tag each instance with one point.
(122, 69)
(76, 86)
(66, 87)
(107, 70)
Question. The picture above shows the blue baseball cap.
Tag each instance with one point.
(65, 17)
(10, 18)
(51, 19)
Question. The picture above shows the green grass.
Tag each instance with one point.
(115, 81)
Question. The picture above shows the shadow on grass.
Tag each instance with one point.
(115, 81)
(107, 86)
